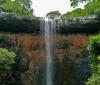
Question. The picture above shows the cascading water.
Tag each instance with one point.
(49, 29)
(48, 47)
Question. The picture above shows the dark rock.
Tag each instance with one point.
(85, 25)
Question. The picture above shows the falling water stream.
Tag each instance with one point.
(48, 47)
(49, 29)
(48, 54)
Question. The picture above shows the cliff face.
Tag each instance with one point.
(85, 25)
(70, 53)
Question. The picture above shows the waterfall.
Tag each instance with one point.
(49, 28)
(48, 47)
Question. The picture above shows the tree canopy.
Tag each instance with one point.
(18, 7)
(53, 14)
(74, 3)
(90, 8)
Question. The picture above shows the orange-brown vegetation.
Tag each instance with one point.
(33, 47)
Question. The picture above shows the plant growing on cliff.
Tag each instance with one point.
(94, 49)
(6, 61)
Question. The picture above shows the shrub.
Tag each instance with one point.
(19, 24)
(94, 49)
(6, 61)
(94, 80)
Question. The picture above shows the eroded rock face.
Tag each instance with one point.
(69, 55)
(85, 25)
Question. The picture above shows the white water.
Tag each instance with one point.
(49, 63)
(49, 28)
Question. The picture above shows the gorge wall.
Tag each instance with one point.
(70, 59)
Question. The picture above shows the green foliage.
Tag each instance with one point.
(94, 80)
(1, 1)
(97, 12)
(6, 59)
(74, 13)
(10, 23)
(74, 3)
(53, 14)
(94, 45)
(91, 8)
(94, 49)
(17, 7)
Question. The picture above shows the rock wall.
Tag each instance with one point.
(30, 69)
(85, 25)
